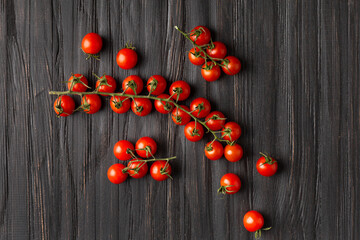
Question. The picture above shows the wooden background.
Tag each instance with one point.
(296, 98)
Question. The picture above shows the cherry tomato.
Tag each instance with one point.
(156, 85)
(79, 83)
(116, 174)
(230, 184)
(64, 106)
(231, 131)
(200, 35)
(106, 84)
(179, 116)
(253, 221)
(214, 150)
(141, 106)
(210, 72)
(200, 107)
(120, 104)
(133, 84)
(180, 89)
(215, 120)
(137, 169)
(163, 106)
(91, 43)
(195, 56)
(217, 50)
(160, 170)
(146, 147)
(91, 103)
(193, 133)
(126, 58)
(122, 150)
(233, 153)
(266, 165)
(232, 65)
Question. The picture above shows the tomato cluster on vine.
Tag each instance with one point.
(212, 56)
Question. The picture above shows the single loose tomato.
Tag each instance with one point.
(179, 116)
(120, 104)
(156, 85)
(116, 174)
(91, 43)
(194, 131)
(163, 107)
(141, 106)
(122, 150)
(133, 84)
(64, 106)
(231, 131)
(137, 169)
(230, 184)
(179, 90)
(253, 221)
(196, 56)
(77, 83)
(233, 152)
(266, 165)
(146, 147)
(210, 72)
(232, 65)
(127, 58)
(91, 103)
(215, 120)
(160, 170)
(214, 150)
(200, 107)
(106, 84)
(200, 35)
(216, 50)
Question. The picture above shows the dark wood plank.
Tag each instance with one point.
(296, 98)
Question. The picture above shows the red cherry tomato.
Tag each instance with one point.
(253, 221)
(133, 84)
(79, 83)
(64, 106)
(214, 150)
(146, 147)
(266, 165)
(200, 35)
(233, 153)
(163, 106)
(196, 57)
(232, 65)
(120, 104)
(215, 120)
(231, 131)
(91, 43)
(217, 50)
(193, 133)
(156, 85)
(230, 184)
(106, 84)
(137, 169)
(126, 58)
(141, 106)
(180, 89)
(116, 174)
(210, 72)
(200, 107)
(160, 170)
(91, 103)
(179, 116)
(122, 150)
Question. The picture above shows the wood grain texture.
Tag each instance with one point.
(296, 98)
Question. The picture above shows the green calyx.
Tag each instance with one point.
(129, 46)
(224, 189)
(268, 160)
(132, 84)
